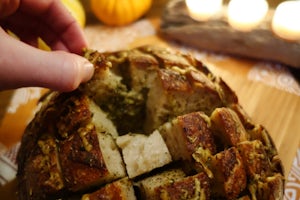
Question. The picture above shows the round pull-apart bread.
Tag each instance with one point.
(151, 124)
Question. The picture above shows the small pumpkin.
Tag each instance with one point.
(119, 12)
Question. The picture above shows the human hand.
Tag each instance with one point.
(23, 65)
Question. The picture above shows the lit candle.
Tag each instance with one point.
(203, 10)
(286, 20)
(244, 15)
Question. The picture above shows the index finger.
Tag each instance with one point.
(7, 7)
(59, 20)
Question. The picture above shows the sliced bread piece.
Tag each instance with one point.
(143, 153)
(186, 133)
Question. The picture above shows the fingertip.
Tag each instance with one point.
(74, 71)
(88, 71)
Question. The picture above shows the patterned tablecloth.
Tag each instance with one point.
(22, 104)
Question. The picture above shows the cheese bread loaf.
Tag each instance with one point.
(152, 123)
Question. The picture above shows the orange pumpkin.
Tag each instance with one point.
(119, 12)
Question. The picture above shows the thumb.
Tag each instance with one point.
(22, 65)
(62, 71)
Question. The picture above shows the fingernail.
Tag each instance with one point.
(88, 70)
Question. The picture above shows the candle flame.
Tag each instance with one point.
(286, 20)
(203, 9)
(246, 14)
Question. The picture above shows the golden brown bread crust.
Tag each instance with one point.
(148, 186)
(81, 167)
(71, 148)
(255, 159)
(119, 190)
(42, 175)
(229, 174)
(227, 122)
(66, 155)
(192, 187)
(38, 166)
(185, 134)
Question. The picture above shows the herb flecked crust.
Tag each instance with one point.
(152, 123)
